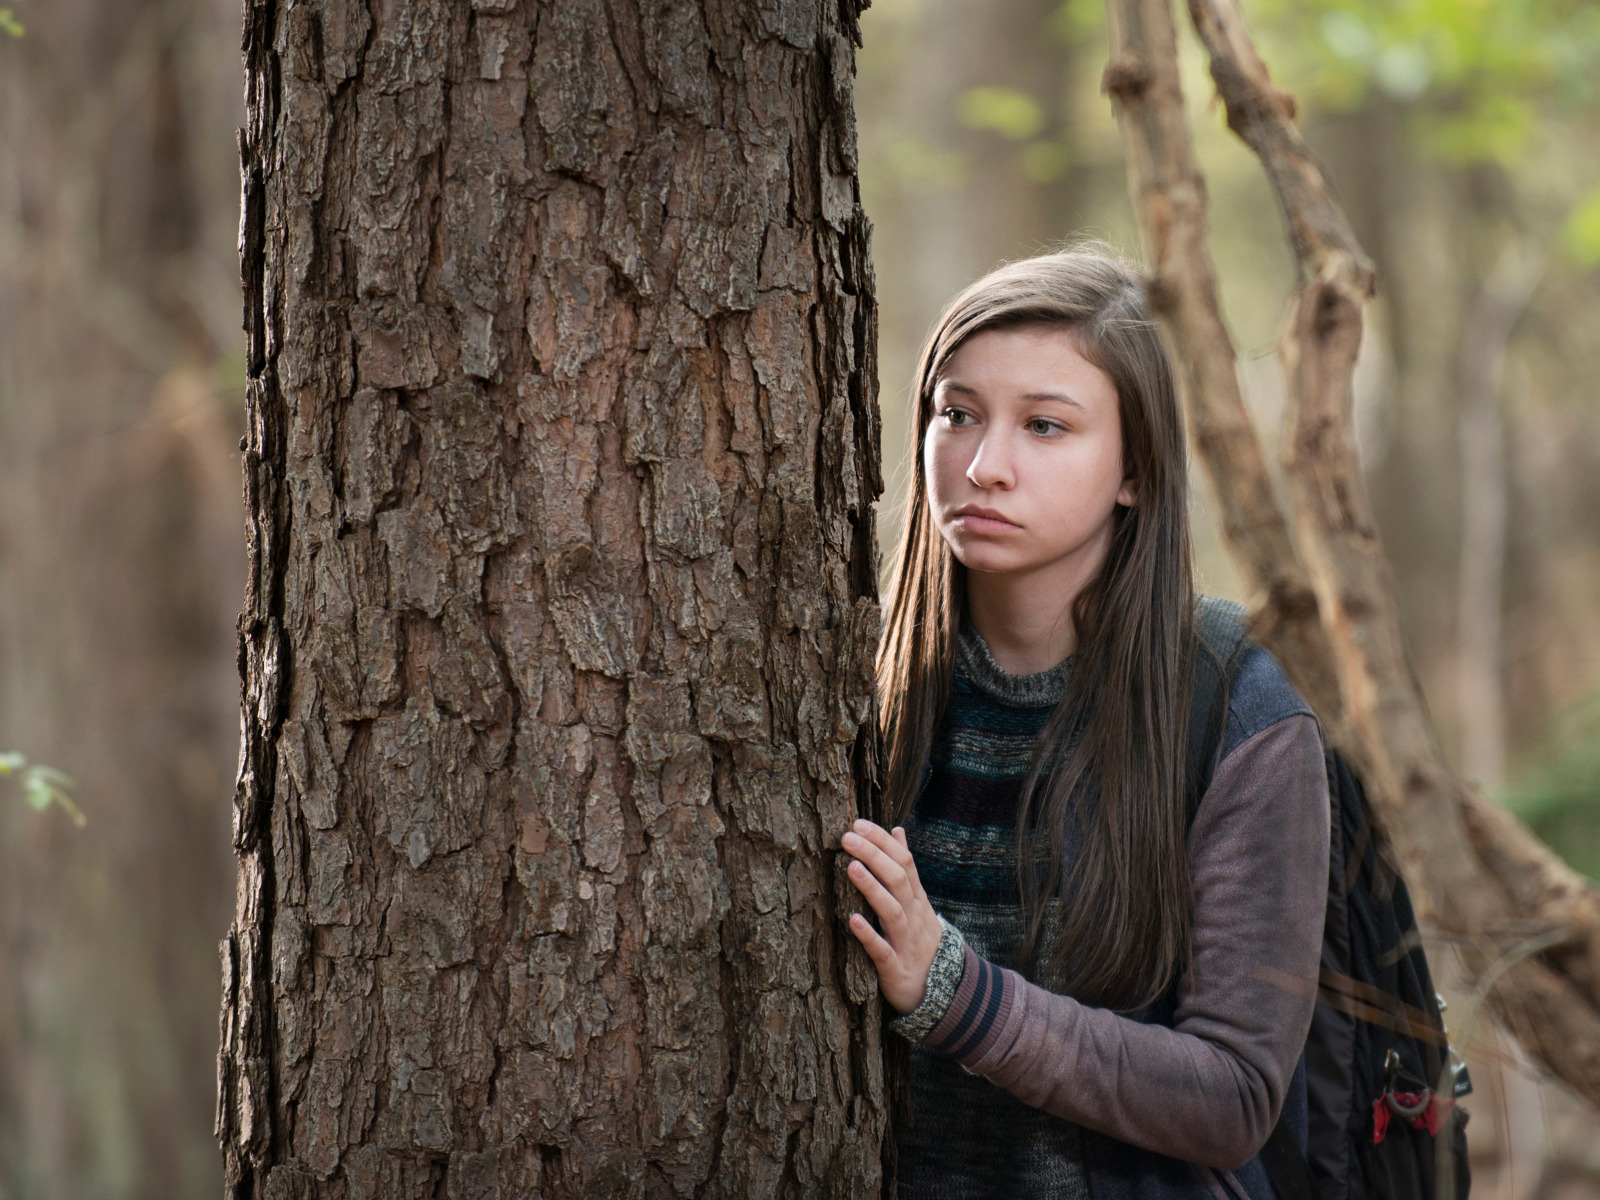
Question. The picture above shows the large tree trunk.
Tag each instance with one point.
(557, 645)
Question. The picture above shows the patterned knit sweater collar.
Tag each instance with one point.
(975, 663)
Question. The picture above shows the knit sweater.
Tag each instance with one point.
(1020, 1091)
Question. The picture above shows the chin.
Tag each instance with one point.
(986, 560)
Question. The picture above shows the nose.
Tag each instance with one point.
(991, 465)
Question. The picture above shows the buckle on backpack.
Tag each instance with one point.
(1409, 1098)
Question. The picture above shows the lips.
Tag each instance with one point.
(978, 518)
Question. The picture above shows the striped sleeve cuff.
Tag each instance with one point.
(944, 978)
(977, 1012)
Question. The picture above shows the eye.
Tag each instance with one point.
(956, 416)
(1042, 427)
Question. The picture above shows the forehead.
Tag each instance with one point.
(1030, 360)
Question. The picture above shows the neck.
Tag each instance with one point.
(1026, 617)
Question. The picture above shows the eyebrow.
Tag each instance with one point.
(953, 386)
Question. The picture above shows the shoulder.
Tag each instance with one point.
(1259, 697)
(1260, 693)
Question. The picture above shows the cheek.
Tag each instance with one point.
(941, 462)
(1082, 478)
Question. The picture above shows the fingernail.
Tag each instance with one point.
(862, 823)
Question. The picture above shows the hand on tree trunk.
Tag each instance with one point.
(885, 873)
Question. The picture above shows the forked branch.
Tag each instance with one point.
(1478, 873)
(1169, 194)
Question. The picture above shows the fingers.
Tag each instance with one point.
(909, 861)
(887, 856)
(878, 950)
(905, 942)
(894, 847)
(890, 911)
(878, 851)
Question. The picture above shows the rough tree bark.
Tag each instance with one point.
(1481, 877)
(557, 646)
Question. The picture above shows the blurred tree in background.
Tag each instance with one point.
(121, 568)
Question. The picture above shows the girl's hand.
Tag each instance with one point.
(885, 874)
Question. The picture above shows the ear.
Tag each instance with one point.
(1128, 493)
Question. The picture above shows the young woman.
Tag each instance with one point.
(1105, 996)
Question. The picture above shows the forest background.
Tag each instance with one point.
(1463, 138)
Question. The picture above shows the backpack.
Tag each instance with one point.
(1381, 1080)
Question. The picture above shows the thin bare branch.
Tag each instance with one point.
(1475, 867)
(1170, 197)
(1262, 114)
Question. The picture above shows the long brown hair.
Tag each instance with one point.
(1108, 768)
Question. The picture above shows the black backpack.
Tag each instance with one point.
(1381, 1080)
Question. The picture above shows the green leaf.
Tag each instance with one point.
(1347, 35)
(51, 775)
(1403, 71)
(10, 24)
(1008, 112)
(1079, 21)
(1497, 129)
(38, 791)
(1557, 791)
(1583, 230)
(43, 786)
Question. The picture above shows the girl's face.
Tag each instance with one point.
(1023, 456)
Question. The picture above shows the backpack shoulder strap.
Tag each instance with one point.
(1222, 639)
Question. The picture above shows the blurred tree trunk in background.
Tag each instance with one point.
(1485, 489)
(991, 82)
(975, 159)
(1527, 644)
(558, 638)
(120, 576)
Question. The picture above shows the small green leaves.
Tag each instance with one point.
(38, 792)
(1008, 112)
(1583, 230)
(1482, 78)
(9, 23)
(42, 786)
(1403, 70)
(1078, 21)
(1558, 790)
(1347, 35)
